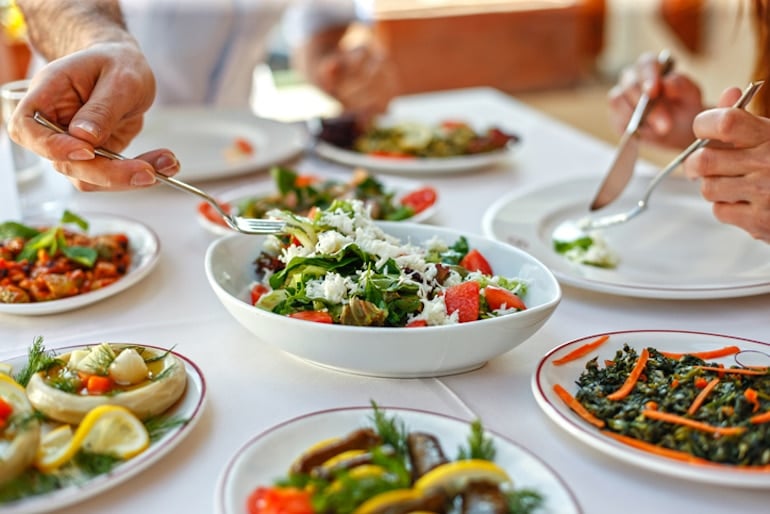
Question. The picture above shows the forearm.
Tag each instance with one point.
(78, 24)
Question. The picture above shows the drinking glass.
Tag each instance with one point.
(42, 192)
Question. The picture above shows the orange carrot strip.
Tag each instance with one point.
(708, 354)
(753, 398)
(698, 401)
(657, 450)
(760, 418)
(630, 382)
(739, 371)
(697, 425)
(582, 350)
(576, 406)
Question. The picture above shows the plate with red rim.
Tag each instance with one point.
(414, 165)
(547, 375)
(145, 253)
(269, 454)
(189, 407)
(213, 223)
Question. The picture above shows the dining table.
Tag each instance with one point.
(251, 386)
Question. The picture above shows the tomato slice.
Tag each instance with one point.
(464, 299)
(417, 323)
(6, 409)
(419, 199)
(390, 155)
(475, 261)
(317, 316)
(257, 290)
(497, 298)
(279, 500)
(207, 211)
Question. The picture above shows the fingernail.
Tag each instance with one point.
(82, 154)
(166, 163)
(143, 178)
(87, 126)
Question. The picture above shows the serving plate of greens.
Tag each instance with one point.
(269, 455)
(687, 404)
(393, 199)
(415, 148)
(90, 474)
(143, 247)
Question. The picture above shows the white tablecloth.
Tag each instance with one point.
(252, 386)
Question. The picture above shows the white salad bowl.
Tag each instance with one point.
(388, 351)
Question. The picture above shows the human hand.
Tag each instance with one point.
(734, 169)
(101, 94)
(677, 101)
(362, 79)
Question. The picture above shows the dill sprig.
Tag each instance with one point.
(480, 446)
(158, 426)
(392, 430)
(524, 501)
(38, 359)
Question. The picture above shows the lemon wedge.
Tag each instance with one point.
(378, 503)
(55, 449)
(107, 429)
(454, 476)
(113, 430)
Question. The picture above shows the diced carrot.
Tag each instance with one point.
(97, 384)
(576, 406)
(652, 405)
(475, 261)
(698, 401)
(417, 323)
(705, 355)
(243, 146)
(583, 350)
(317, 316)
(632, 378)
(499, 298)
(463, 298)
(697, 425)
(700, 382)
(305, 180)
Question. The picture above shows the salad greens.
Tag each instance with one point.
(339, 262)
(51, 240)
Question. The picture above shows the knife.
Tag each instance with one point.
(622, 167)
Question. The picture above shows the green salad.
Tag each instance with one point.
(338, 266)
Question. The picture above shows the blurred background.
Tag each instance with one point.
(560, 56)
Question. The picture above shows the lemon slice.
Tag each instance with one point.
(55, 449)
(453, 477)
(107, 429)
(358, 473)
(342, 457)
(113, 430)
(380, 502)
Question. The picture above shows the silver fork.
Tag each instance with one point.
(571, 230)
(254, 226)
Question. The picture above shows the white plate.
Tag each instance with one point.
(674, 250)
(189, 407)
(145, 252)
(546, 375)
(201, 137)
(399, 186)
(268, 455)
(418, 165)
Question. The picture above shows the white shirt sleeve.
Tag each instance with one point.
(307, 17)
